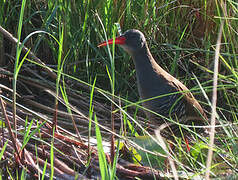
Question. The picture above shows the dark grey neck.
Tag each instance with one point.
(143, 59)
(148, 72)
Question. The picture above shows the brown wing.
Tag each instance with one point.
(193, 109)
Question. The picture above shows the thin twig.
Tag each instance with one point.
(12, 136)
(162, 144)
(10, 37)
(214, 100)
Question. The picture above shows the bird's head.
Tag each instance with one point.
(131, 41)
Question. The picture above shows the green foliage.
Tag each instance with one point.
(197, 151)
(149, 159)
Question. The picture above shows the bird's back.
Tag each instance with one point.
(168, 96)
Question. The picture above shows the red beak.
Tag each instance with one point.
(118, 40)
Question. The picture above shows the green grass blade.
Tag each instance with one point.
(101, 155)
(3, 149)
(44, 170)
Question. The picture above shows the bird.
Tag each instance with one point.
(160, 92)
